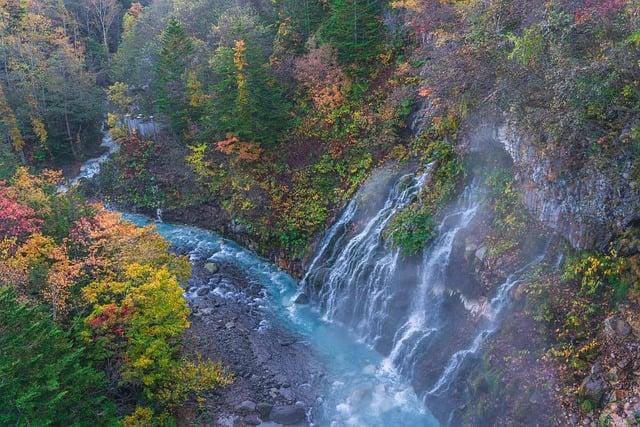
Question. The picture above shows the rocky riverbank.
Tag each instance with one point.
(277, 376)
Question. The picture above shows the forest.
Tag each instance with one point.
(450, 187)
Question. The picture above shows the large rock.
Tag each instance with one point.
(616, 328)
(264, 409)
(212, 267)
(593, 388)
(246, 407)
(302, 299)
(288, 414)
(587, 203)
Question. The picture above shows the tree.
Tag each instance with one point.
(354, 27)
(176, 49)
(319, 72)
(246, 102)
(103, 14)
(45, 380)
(53, 105)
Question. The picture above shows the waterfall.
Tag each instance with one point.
(343, 259)
(421, 313)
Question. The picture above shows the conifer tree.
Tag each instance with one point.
(176, 49)
(354, 27)
(44, 379)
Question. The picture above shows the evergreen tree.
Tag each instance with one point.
(354, 27)
(176, 49)
(43, 378)
(246, 102)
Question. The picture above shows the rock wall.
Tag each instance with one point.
(587, 205)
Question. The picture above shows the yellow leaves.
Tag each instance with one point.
(195, 90)
(8, 118)
(39, 129)
(194, 379)
(413, 5)
(239, 60)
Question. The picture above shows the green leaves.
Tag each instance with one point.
(45, 380)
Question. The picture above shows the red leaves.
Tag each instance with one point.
(226, 146)
(136, 9)
(597, 9)
(16, 220)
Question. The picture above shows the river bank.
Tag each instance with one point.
(278, 378)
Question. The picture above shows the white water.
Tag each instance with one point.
(92, 167)
(361, 392)
(412, 311)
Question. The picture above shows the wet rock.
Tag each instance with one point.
(615, 327)
(288, 414)
(206, 311)
(264, 409)
(212, 267)
(246, 407)
(252, 420)
(302, 299)
(481, 253)
(202, 292)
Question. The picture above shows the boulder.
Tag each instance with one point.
(615, 328)
(481, 253)
(593, 388)
(212, 267)
(288, 414)
(301, 298)
(246, 407)
(202, 291)
(252, 420)
(264, 409)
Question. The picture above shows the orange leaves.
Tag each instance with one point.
(245, 151)
(319, 72)
(226, 146)
(425, 92)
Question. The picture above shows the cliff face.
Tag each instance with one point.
(587, 204)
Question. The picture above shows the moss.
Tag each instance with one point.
(414, 227)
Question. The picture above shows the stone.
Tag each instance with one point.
(206, 311)
(252, 420)
(202, 292)
(301, 299)
(288, 414)
(593, 388)
(615, 327)
(212, 267)
(246, 407)
(481, 253)
(264, 409)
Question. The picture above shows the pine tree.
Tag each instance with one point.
(354, 27)
(44, 380)
(176, 49)
(246, 102)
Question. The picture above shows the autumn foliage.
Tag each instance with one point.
(118, 282)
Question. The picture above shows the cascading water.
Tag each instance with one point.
(419, 313)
